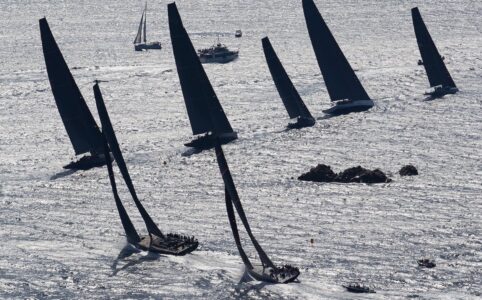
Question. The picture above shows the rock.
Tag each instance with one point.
(375, 176)
(408, 170)
(323, 173)
(320, 173)
(351, 174)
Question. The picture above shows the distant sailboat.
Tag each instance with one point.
(204, 110)
(81, 128)
(140, 43)
(156, 241)
(266, 271)
(438, 75)
(289, 95)
(343, 86)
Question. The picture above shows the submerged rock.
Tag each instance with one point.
(408, 170)
(320, 173)
(323, 173)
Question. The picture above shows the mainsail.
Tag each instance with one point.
(288, 93)
(142, 25)
(437, 72)
(83, 132)
(108, 131)
(130, 230)
(199, 96)
(340, 79)
(232, 195)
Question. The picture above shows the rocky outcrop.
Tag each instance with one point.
(408, 170)
(324, 173)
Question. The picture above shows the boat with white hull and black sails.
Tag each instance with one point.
(292, 101)
(206, 114)
(345, 90)
(265, 270)
(83, 132)
(438, 76)
(155, 241)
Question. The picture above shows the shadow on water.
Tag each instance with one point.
(127, 251)
(63, 174)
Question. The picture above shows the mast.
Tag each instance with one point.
(340, 79)
(138, 38)
(129, 229)
(199, 95)
(437, 72)
(233, 194)
(288, 93)
(145, 23)
(83, 132)
(116, 152)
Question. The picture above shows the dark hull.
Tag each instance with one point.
(358, 290)
(208, 141)
(169, 244)
(148, 46)
(262, 274)
(440, 92)
(87, 162)
(301, 123)
(343, 108)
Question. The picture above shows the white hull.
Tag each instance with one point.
(346, 107)
(218, 59)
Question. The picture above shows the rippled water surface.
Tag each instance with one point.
(60, 234)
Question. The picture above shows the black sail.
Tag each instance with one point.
(199, 95)
(340, 79)
(234, 229)
(81, 128)
(138, 38)
(233, 194)
(288, 93)
(129, 229)
(437, 72)
(109, 133)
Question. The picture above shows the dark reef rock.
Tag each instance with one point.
(320, 173)
(323, 173)
(408, 170)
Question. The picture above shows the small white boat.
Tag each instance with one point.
(238, 33)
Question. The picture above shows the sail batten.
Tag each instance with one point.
(288, 93)
(233, 194)
(83, 132)
(116, 152)
(437, 72)
(129, 229)
(340, 79)
(199, 95)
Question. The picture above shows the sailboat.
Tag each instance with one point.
(437, 73)
(203, 108)
(266, 270)
(344, 88)
(81, 128)
(155, 241)
(289, 95)
(140, 43)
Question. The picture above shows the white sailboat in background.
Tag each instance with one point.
(140, 42)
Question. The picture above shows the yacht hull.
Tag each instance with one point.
(260, 273)
(301, 123)
(148, 46)
(442, 91)
(218, 59)
(169, 244)
(342, 107)
(87, 162)
(208, 141)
